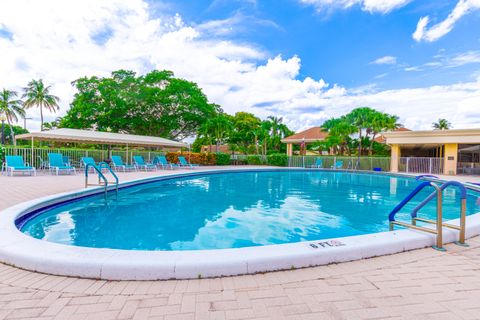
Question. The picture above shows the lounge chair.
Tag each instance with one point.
(66, 160)
(43, 165)
(162, 162)
(16, 164)
(318, 163)
(84, 161)
(140, 163)
(56, 164)
(338, 165)
(118, 164)
(185, 163)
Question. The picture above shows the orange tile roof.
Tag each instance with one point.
(312, 134)
(381, 138)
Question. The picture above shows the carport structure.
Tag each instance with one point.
(433, 151)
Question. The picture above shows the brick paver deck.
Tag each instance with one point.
(421, 284)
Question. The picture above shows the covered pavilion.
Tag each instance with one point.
(304, 138)
(98, 137)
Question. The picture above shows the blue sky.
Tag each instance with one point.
(303, 60)
(340, 45)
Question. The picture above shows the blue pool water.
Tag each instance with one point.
(232, 210)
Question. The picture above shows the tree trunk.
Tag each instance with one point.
(12, 134)
(359, 142)
(41, 118)
(370, 150)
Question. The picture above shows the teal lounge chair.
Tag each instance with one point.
(56, 164)
(16, 164)
(162, 162)
(66, 160)
(338, 165)
(185, 163)
(140, 163)
(87, 160)
(118, 164)
(84, 161)
(318, 163)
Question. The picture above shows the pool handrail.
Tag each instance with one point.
(438, 231)
(463, 196)
(102, 165)
(463, 209)
(101, 176)
(420, 187)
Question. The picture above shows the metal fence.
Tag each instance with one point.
(37, 157)
(421, 165)
(352, 163)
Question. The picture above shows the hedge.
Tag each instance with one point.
(254, 160)
(277, 159)
(223, 159)
(2, 153)
(207, 159)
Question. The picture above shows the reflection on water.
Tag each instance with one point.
(236, 210)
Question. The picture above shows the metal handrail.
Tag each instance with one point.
(463, 209)
(104, 164)
(420, 187)
(100, 175)
(438, 230)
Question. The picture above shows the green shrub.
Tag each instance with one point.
(277, 159)
(2, 153)
(223, 159)
(254, 160)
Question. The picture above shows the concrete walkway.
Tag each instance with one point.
(421, 284)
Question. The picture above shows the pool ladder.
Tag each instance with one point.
(102, 180)
(439, 224)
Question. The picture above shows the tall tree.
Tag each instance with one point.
(381, 122)
(36, 94)
(11, 108)
(245, 125)
(361, 118)
(218, 129)
(339, 131)
(156, 104)
(442, 124)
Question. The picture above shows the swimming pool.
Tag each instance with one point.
(234, 210)
(210, 223)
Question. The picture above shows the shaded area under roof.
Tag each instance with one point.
(99, 137)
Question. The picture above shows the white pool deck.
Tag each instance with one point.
(420, 284)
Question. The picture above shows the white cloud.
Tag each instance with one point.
(448, 61)
(465, 58)
(372, 6)
(385, 60)
(56, 40)
(440, 29)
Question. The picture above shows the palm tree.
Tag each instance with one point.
(442, 124)
(381, 122)
(10, 108)
(339, 131)
(218, 128)
(37, 94)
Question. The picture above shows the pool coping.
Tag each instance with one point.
(23, 251)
